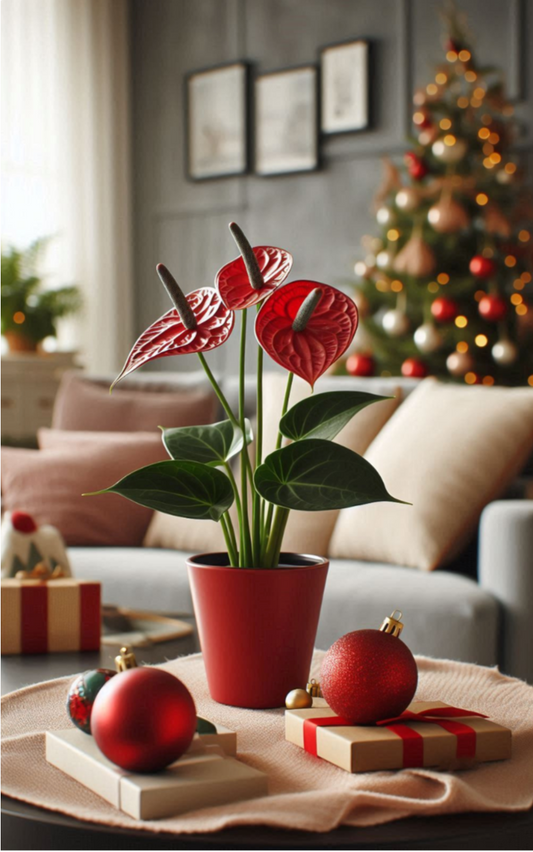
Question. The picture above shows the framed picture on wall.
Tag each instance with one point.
(286, 121)
(217, 121)
(345, 87)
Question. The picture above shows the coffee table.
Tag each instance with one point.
(28, 827)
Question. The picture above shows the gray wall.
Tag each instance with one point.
(321, 216)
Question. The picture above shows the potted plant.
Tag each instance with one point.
(257, 608)
(29, 313)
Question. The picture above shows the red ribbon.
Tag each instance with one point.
(413, 742)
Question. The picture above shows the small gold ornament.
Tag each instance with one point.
(298, 699)
(125, 660)
(313, 688)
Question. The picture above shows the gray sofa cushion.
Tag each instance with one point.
(446, 615)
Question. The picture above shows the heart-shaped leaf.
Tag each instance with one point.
(307, 351)
(184, 488)
(212, 445)
(234, 286)
(323, 415)
(314, 475)
(169, 336)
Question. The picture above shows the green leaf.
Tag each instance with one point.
(211, 445)
(314, 475)
(184, 488)
(324, 415)
(204, 727)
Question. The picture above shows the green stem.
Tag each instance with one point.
(276, 538)
(238, 505)
(268, 522)
(231, 531)
(229, 544)
(257, 502)
(246, 540)
(216, 387)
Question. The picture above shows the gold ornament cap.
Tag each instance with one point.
(125, 660)
(392, 624)
(313, 689)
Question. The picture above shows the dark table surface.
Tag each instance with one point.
(27, 827)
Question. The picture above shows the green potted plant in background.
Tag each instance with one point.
(257, 608)
(29, 312)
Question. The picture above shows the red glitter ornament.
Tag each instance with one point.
(482, 267)
(413, 368)
(144, 719)
(360, 365)
(492, 308)
(444, 310)
(369, 675)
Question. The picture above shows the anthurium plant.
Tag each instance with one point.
(304, 326)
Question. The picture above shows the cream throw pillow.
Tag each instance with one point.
(310, 532)
(307, 532)
(449, 450)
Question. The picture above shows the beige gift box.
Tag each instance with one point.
(202, 778)
(224, 738)
(362, 748)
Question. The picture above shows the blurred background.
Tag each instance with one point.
(96, 156)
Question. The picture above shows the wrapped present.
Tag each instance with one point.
(428, 733)
(200, 779)
(222, 737)
(39, 616)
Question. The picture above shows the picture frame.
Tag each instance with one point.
(345, 90)
(217, 121)
(287, 121)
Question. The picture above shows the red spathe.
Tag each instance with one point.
(143, 719)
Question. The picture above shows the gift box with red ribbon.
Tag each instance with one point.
(40, 616)
(428, 733)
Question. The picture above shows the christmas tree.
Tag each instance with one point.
(444, 291)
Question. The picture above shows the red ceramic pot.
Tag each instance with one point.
(257, 627)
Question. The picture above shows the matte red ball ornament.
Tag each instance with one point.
(360, 365)
(23, 522)
(444, 310)
(144, 719)
(492, 308)
(482, 267)
(416, 166)
(413, 368)
(369, 675)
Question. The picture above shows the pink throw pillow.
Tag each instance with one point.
(84, 405)
(49, 483)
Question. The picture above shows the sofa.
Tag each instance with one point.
(475, 608)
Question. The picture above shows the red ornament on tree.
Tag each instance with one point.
(369, 675)
(144, 719)
(413, 368)
(23, 522)
(416, 166)
(444, 310)
(482, 267)
(360, 365)
(492, 307)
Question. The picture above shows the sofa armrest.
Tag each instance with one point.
(505, 570)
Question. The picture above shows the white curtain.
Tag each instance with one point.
(66, 157)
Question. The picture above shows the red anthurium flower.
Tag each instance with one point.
(305, 326)
(233, 283)
(170, 335)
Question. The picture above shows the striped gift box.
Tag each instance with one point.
(40, 616)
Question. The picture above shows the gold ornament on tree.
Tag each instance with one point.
(416, 258)
(447, 216)
(391, 180)
(407, 199)
(459, 363)
(449, 150)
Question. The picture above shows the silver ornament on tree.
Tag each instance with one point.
(427, 338)
(384, 259)
(407, 199)
(395, 322)
(459, 363)
(504, 352)
(385, 216)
